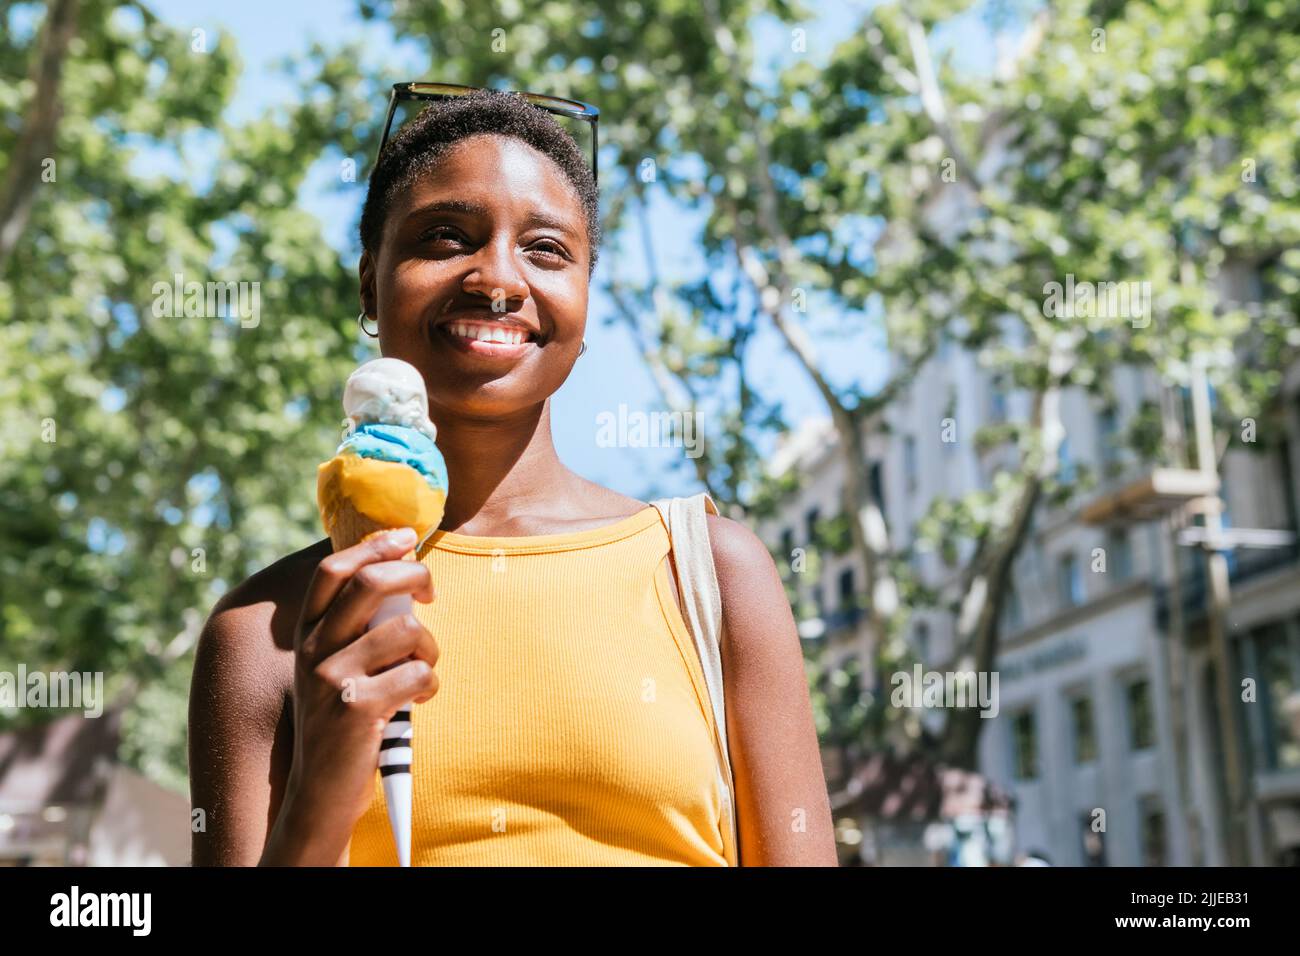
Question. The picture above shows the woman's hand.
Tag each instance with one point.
(348, 682)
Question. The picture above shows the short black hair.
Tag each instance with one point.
(419, 146)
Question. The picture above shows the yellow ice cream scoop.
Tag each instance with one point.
(360, 496)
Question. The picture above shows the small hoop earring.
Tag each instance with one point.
(361, 321)
(583, 349)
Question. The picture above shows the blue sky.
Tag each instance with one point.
(611, 373)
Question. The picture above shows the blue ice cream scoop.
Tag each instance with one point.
(400, 444)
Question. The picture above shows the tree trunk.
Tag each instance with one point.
(960, 742)
(981, 606)
(36, 140)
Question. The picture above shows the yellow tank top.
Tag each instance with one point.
(572, 724)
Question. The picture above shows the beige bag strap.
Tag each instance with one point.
(701, 604)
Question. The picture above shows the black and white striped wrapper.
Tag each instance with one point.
(395, 750)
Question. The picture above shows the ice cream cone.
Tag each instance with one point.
(352, 527)
(387, 474)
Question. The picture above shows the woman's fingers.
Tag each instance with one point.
(398, 686)
(349, 615)
(336, 570)
(393, 641)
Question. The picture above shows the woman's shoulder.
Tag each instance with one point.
(240, 708)
(748, 580)
(252, 624)
(741, 560)
(758, 623)
(737, 551)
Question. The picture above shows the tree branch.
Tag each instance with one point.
(36, 140)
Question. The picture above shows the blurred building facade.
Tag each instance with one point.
(66, 800)
(1085, 721)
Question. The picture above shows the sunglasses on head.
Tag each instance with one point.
(574, 109)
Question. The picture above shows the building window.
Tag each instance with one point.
(1037, 569)
(948, 426)
(1119, 555)
(909, 462)
(1065, 472)
(1141, 723)
(1108, 440)
(921, 639)
(1085, 735)
(877, 486)
(810, 526)
(848, 595)
(998, 401)
(1069, 581)
(1024, 736)
(1093, 839)
(1278, 658)
(1011, 615)
(1152, 821)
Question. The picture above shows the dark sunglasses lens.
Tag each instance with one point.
(405, 111)
(555, 103)
(415, 97)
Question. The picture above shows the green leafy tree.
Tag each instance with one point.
(1135, 144)
(154, 450)
(895, 190)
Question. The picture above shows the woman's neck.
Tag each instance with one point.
(500, 469)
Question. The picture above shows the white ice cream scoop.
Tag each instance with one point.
(388, 391)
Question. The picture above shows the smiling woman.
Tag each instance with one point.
(471, 240)
(569, 719)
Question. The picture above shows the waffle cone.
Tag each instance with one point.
(352, 527)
